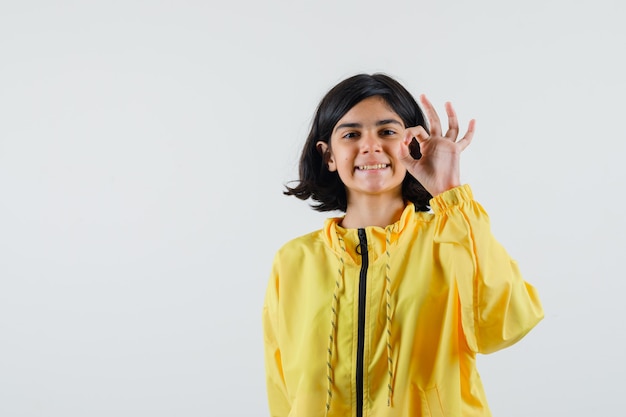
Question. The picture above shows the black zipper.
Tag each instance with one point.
(360, 347)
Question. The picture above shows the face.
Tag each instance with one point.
(363, 150)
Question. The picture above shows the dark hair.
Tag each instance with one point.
(325, 187)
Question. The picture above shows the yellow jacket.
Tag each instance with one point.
(385, 322)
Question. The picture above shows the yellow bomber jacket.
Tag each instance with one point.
(386, 322)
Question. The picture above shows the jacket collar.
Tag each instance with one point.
(332, 231)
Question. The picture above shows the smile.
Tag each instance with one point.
(370, 167)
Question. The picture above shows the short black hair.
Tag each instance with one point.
(325, 187)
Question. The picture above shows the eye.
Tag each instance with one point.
(350, 135)
(388, 132)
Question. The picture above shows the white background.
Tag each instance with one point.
(144, 146)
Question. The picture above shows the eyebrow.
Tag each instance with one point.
(359, 125)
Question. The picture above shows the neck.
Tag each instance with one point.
(372, 211)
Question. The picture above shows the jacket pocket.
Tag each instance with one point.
(432, 402)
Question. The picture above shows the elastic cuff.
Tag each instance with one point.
(452, 197)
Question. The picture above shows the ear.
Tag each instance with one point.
(323, 149)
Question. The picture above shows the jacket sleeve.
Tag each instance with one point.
(276, 389)
(498, 307)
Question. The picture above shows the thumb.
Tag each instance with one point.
(410, 150)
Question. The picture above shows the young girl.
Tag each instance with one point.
(382, 311)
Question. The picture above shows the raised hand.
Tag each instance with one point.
(438, 168)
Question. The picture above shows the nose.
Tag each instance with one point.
(370, 142)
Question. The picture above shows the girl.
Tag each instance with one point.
(382, 311)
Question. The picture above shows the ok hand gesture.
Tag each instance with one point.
(438, 168)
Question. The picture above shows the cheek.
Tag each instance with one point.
(344, 159)
(395, 150)
(399, 167)
(400, 170)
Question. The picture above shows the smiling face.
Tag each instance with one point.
(363, 150)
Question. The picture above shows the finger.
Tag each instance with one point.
(431, 114)
(453, 122)
(469, 135)
(411, 150)
(417, 132)
(410, 153)
(405, 154)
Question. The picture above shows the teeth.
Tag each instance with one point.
(377, 166)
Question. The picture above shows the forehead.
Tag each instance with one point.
(369, 111)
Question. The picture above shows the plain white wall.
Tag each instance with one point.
(143, 150)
